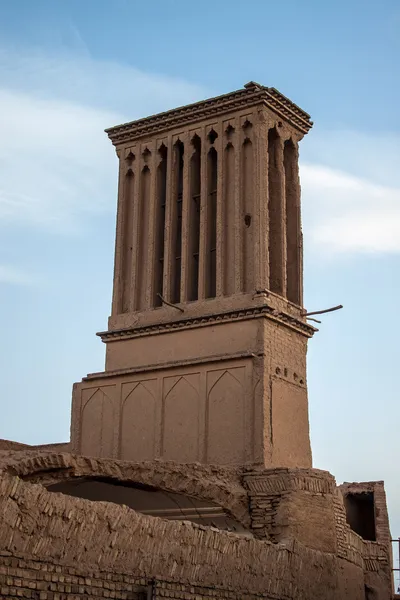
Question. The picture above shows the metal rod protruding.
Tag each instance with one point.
(321, 312)
(169, 303)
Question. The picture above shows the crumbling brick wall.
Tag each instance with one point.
(381, 514)
(308, 559)
(377, 555)
(54, 528)
(218, 484)
(293, 503)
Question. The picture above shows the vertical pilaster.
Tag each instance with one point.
(301, 267)
(247, 208)
(169, 225)
(261, 224)
(152, 228)
(277, 214)
(211, 216)
(293, 223)
(142, 267)
(229, 246)
(124, 233)
(186, 199)
(132, 280)
(219, 144)
(237, 210)
(203, 216)
(117, 287)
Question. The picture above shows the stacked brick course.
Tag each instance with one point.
(21, 577)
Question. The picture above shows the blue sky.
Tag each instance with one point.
(70, 69)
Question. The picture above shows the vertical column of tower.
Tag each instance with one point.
(237, 209)
(153, 213)
(229, 210)
(186, 264)
(210, 188)
(170, 210)
(261, 223)
(134, 255)
(276, 210)
(203, 216)
(211, 215)
(219, 226)
(178, 193)
(193, 218)
(293, 223)
(160, 176)
(125, 239)
(192, 185)
(143, 267)
(247, 207)
(117, 287)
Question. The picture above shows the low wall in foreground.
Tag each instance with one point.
(58, 547)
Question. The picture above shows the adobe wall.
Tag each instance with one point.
(381, 514)
(378, 573)
(305, 549)
(63, 531)
(8, 445)
(290, 503)
(27, 577)
(306, 505)
(173, 389)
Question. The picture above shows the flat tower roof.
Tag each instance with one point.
(251, 94)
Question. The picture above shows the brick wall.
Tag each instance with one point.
(293, 503)
(219, 485)
(21, 577)
(314, 555)
(376, 556)
(100, 537)
(381, 514)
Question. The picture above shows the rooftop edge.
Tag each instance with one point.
(252, 93)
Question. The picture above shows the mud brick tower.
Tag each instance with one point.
(206, 344)
(188, 474)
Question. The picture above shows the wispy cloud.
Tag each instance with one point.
(12, 275)
(56, 164)
(110, 86)
(348, 214)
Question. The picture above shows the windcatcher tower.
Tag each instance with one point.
(206, 343)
